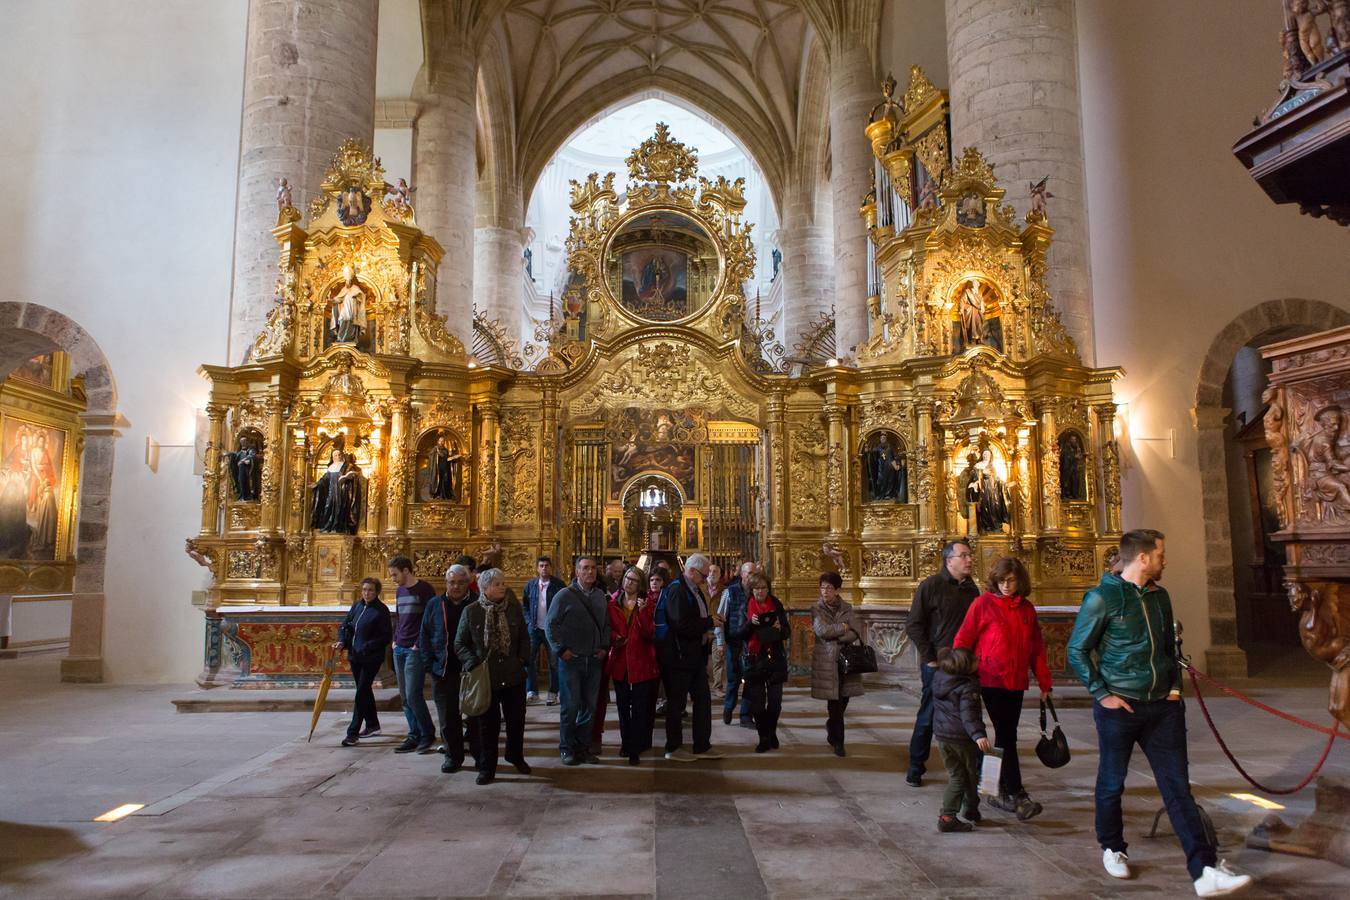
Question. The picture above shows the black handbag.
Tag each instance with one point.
(1052, 749)
(769, 667)
(857, 658)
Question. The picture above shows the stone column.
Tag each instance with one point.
(445, 171)
(853, 92)
(309, 83)
(1014, 95)
(808, 265)
(499, 256)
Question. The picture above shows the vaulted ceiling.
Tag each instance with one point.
(563, 61)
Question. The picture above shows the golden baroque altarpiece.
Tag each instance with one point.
(657, 412)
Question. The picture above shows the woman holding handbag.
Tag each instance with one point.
(1002, 629)
(764, 664)
(835, 624)
(492, 633)
(632, 662)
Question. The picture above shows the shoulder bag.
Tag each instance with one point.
(857, 658)
(1052, 749)
(475, 690)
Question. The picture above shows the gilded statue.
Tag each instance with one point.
(337, 495)
(245, 465)
(886, 469)
(987, 492)
(445, 469)
(1072, 467)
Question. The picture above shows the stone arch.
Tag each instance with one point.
(27, 329)
(1225, 658)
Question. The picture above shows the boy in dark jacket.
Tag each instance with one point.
(958, 724)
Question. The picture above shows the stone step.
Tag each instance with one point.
(264, 700)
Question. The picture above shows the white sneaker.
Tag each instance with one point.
(532, 697)
(1216, 881)
(1117, 864)
(710, 753)
(680, 756)
(552, 699)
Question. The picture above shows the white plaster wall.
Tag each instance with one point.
(121, 141)
(1182, 239)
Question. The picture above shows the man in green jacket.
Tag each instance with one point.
(1123, 649)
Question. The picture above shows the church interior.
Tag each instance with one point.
(298, 287)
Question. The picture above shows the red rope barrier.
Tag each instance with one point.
(1259, 705)
(1332, 732)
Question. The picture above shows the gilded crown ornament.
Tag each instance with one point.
(662, 160)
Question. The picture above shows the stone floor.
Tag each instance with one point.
(239, 805)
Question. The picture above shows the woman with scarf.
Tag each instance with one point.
(492, 632)
(1002, 629)
(835, 623)
(764, 668)
(632, 662)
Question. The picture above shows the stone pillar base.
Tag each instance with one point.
(1226, 661)
(1324, 834)
(82, 669)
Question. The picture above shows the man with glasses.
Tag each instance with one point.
(937, 611)
(683, 654)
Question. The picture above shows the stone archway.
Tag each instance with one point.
(1225, 658)
(27, 329)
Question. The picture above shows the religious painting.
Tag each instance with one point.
(38, 370)
(691, 533)
(885, 469)
(983, 489)
(329, 562)
(31, 463)
(612, 533)
(977, 316)
(970, 210)
(662, 440)
(353, 205)
(1072, 467)
(655, 283)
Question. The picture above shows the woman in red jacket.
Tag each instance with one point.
(632, 662)
(1002, 629)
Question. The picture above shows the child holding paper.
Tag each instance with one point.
(958, 724)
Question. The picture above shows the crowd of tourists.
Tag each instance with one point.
(667, 642)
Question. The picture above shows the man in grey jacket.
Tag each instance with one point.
(577, 629)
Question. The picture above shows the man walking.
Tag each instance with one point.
(539, 595)
(436, 643)
(1123, 649)
(938, 609)
(577, 627)
(735, 602)
(683, 652)
(411, 604)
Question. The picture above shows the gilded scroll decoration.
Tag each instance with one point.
(883, 562)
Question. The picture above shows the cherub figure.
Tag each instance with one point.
(1309, 34)
(1039, 194)
(283, 195)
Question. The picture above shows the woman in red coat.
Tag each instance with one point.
(1002, 629)
(632, 662)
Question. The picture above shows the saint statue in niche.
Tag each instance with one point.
(347, 321)
(886, 469)
(337, 495)
(445, 467)
(245, 465)
(353, 205)
(978, 317)
(970, 210)
(1072, 467)
(985, 488)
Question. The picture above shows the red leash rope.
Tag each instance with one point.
(1332, 733)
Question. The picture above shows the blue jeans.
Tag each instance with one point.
(412, 677)
(579, 687)
(1159, 728)
(733, 651)
(921, 740)
(538, 639)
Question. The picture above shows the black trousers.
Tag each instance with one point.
(834, 721)
(445, 694)
(634, 701)
(765, 702)
(507, 704)
(683, 685)
(1005, 709)
(364, 670)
